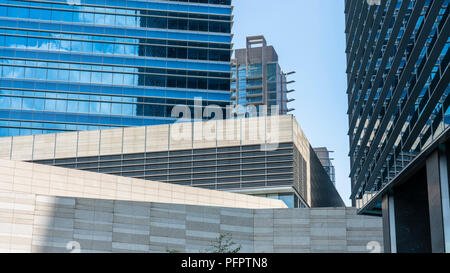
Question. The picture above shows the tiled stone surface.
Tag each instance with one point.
(42, 223)
(44, 146)
(29, 178)
(22, 147)
(198, 135)
(16, 222)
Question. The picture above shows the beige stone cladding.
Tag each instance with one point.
(178, 136)
(43, 223)
(30, 178)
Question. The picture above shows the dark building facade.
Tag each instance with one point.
(398, 86)
(244, 169)
(327, 162)
(69, 65)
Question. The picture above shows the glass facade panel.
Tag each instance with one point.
(101, 65)
(290, 199)
(397, 91)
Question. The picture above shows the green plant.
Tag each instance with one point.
(224, 244)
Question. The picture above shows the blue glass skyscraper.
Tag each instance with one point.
(95, 64)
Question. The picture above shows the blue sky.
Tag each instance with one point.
(309, 38)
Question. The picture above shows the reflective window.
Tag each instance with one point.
(109, 65)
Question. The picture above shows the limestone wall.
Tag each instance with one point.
(42, 223)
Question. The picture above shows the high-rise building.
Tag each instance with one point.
(324, 156)
(70, 65)
(258, 79)
(398, 86)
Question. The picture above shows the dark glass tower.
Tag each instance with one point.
(258, 79)
(398, 86)
(86, 64)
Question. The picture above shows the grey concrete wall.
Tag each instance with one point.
(40, 223)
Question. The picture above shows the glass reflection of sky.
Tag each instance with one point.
(79, 67)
